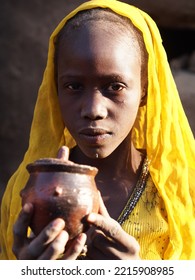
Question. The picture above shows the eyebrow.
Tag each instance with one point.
(112, 76)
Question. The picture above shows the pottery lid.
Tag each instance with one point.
(58, 165)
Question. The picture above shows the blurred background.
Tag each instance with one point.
(25, 27)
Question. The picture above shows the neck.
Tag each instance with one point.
(124, 162)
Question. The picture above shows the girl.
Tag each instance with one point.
(109, 96)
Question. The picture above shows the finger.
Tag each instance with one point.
(41, 242)
(113, 230)
(93, 253)
(23, 221)
(102, 208)
(63, 153)
(108, 225)
(56, 248)
(21, 226)
(103, 248)
(75, 248)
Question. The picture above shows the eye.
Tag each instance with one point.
(115, 87)
(73, 86)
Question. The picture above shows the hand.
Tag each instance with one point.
(52, 243)
(109, 240)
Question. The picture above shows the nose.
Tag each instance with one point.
(94, 106)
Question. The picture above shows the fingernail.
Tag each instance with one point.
(82, 238)
(91, 217)
(58, 223)
(27, 207)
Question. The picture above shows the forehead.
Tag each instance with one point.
(100, 34)
(96, 50)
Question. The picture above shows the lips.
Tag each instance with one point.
(94, 135)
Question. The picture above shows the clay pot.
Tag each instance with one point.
(59, 188)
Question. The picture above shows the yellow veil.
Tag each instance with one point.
(161, 128)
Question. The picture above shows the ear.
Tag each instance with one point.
(144, 88)
(143, 100)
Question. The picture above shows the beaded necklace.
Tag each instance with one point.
(137, 192)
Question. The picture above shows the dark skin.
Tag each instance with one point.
(99, 88)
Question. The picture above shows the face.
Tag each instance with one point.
(99, 87)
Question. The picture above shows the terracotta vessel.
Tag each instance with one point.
(59, 188)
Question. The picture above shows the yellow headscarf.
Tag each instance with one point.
(161, 128)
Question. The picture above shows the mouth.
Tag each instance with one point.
(94, 136)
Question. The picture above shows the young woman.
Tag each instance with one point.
(109, 96)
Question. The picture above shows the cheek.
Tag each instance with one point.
(66, 109)
(127, 113)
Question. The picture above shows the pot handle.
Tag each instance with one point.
(63, 153)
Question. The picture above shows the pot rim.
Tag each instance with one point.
(58, 165)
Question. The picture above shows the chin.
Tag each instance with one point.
(97, 153)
